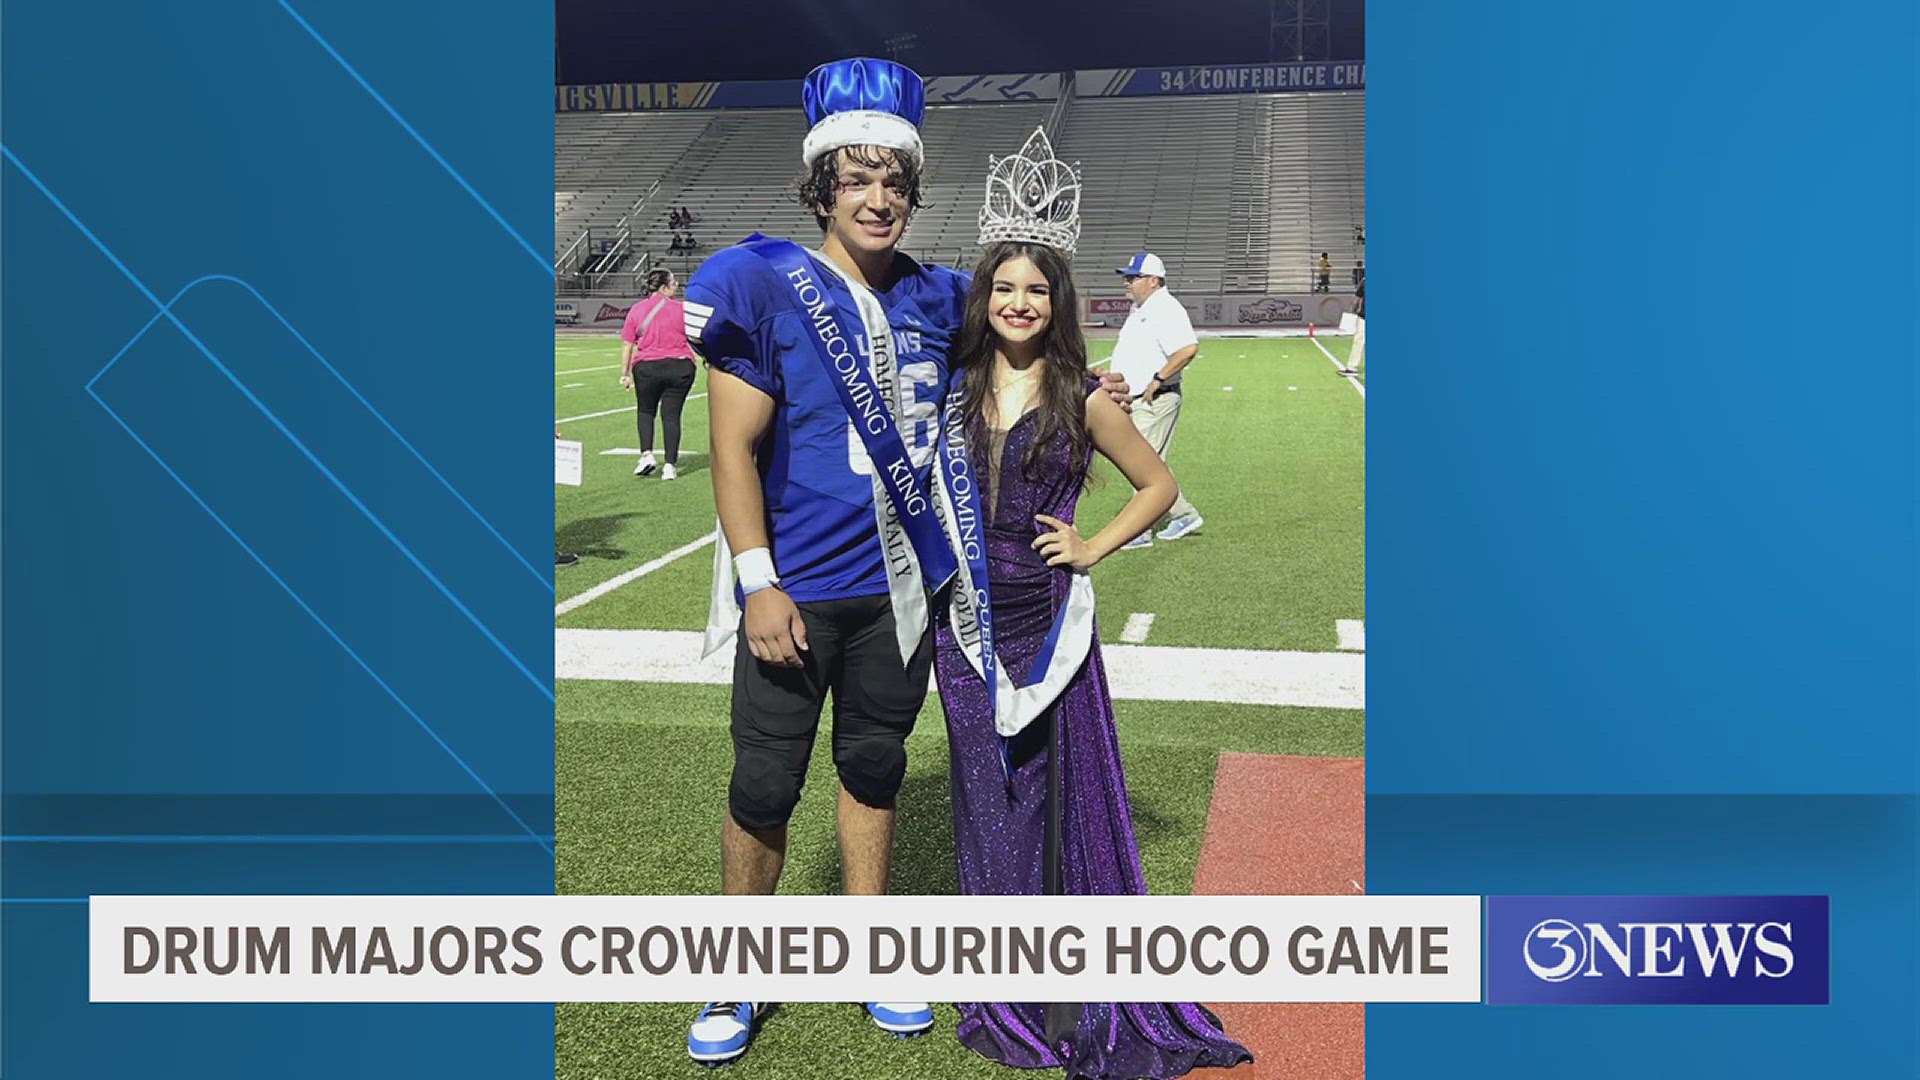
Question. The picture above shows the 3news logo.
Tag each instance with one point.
(1657, 950)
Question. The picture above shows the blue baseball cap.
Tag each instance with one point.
(1144, 263)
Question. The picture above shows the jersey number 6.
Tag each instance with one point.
(923, 414)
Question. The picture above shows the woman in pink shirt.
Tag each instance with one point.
(656, 363)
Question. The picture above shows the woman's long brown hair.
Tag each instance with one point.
(1062, 393)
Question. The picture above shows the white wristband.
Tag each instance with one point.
(754, 568)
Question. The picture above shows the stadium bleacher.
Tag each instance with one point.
(603, 162)
(1238, 193)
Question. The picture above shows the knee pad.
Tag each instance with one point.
(872, 768)
(765, 788)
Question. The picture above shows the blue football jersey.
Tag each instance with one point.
(813, 466)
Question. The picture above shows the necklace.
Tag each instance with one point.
(1009, 400)
(1006, 384)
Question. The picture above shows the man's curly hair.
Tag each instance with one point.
(819, 187)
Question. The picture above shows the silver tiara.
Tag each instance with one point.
(1032, 196)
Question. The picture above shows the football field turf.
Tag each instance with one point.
(1270, 448)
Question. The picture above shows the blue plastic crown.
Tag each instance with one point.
(863, 83)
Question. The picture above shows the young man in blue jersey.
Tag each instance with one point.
(827, 374)
(794, 487)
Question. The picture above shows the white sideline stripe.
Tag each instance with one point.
(593, 415)
(573, 386)
(621, 409)
(1338, 366)
(584, 370)
(640, 571)
(1134, 672)
(634, 451)
(1353, 634)
(1135, 632)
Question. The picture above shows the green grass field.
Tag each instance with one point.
(1270, 448)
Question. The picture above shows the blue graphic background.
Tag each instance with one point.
(1641, 538)
(275, 422)
(1642, 553)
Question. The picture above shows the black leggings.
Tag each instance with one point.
(661, 386)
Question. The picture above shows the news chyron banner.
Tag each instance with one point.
(794, 948)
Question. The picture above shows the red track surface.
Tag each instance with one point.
(1283, 825)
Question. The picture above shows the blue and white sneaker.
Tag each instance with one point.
(1144, 540)
(721, 1032)
(901, 1018)
(1180, 527)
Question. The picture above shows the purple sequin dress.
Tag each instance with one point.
(998, 832)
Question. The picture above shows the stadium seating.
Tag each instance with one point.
(1336, 175)
(1157, 178)
(602, 163)
(959, 139)
(1238, 193)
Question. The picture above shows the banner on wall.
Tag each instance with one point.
(992, 89)
(1212, 312)
(785, 93)
(594, 311)
(637, 97)
(597, 312)
(1223, 79)
(1242, 312)
(1000, 89)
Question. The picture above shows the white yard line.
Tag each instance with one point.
(1338, 366)
(584, 370)
(1353, 634)
(612, 412)
(594, 415)
(1134, 672)
(636, 573)
(1135, 632)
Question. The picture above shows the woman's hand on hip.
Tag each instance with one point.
(1063, 546)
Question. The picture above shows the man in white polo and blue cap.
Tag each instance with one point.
(1156, 344)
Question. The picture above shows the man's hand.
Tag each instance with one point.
(1116, 387)
(775, 633)
(1152, 391)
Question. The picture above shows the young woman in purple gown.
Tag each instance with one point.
(1033, 420)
